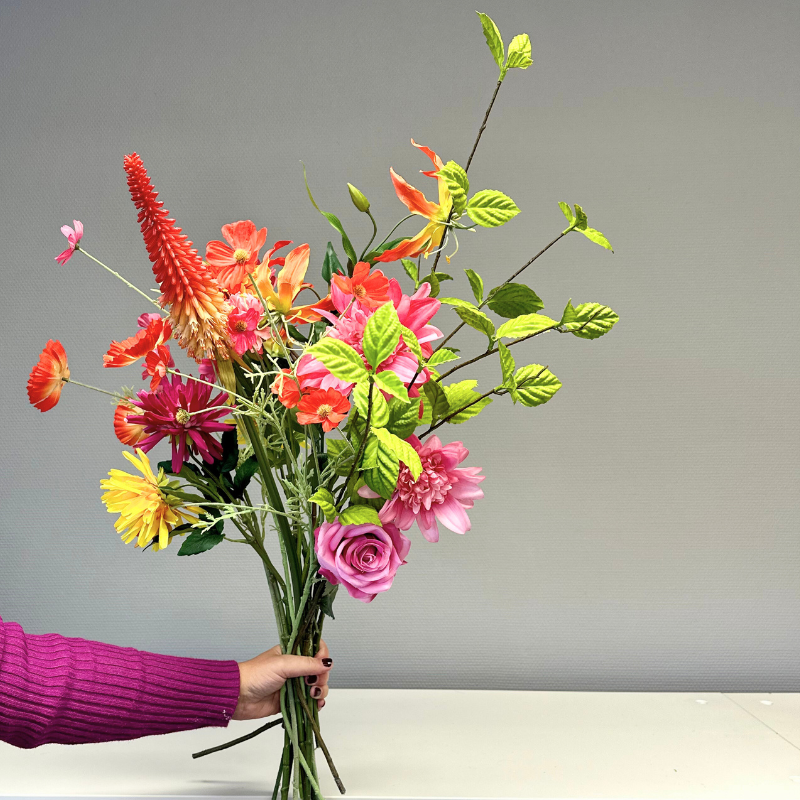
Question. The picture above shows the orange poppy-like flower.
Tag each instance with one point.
(364, 290)
(198, 309)
(327, 407)
(288, 388)
(231, 262)
(289, 284)
(47, 377)
(437, 214)
(120, 354)
(127, 432)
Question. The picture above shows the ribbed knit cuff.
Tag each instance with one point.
(68, 690)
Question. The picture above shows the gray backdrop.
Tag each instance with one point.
(640, 531)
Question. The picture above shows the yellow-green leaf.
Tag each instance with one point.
(476, 284)
(476, 319)
(381, 335)
(390, 383)
(340, 359)
(359, 515)
(519, 52)
(493, 39)
(524, 326)
(490, 208)
(324, 499)
(457, 184)
(592, 320)
(535, 385)
(402, 450)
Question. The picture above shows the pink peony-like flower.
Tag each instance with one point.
(170, 413)
(243, 323)
(363, 558)
(207, 370)
(144, 320)
(443, 491)
(74, 236)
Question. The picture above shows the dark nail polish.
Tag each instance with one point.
(326, 662)
(322, 704)
(316, 691)
(311, 679)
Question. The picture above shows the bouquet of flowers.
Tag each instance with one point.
(309, 431)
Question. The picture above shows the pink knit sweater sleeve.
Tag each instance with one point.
(72, 691)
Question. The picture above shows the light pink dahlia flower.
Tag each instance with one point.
(442, 492)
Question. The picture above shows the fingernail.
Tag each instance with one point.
(322, 704)
(326, 662)
(311, 679)
(316, 691)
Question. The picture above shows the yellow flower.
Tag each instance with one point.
(145, 510)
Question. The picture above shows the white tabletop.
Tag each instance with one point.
(395, 744)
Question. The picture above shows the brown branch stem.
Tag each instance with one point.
(320, 740)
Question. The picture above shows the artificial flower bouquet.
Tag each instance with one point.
(308, 430)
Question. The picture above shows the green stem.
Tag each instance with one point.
(374, 234)
(213, 386)
(241, 739)
(117, 275)
(282, 523)
(395, 228)
(93, 388)
(292, 725)
(321, 743)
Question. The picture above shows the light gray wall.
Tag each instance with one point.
(639, 532)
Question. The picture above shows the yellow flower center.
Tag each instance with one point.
(324, 410)
(240, 256)
(182, 416)
(359, 291)
(240, 326)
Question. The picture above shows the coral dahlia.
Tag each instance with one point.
(47, 377)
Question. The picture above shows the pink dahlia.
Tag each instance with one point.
(443, 491)
(243, 323)
(363, 558)
(187, 414)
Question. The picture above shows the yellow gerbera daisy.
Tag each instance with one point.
(145, 509)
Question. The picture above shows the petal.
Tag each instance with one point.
(412, 198)
(452, 515)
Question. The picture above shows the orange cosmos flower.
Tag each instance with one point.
(430, 237)
(127, 432)
(198, 309)
(288, 388)
(120, 354)
(364, 290)
(47, 377)
(289, 284)
(231, 262)
(326, 406)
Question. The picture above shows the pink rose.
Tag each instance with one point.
(363, 558)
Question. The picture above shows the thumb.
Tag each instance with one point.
(298, 666)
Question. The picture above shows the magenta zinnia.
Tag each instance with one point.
(186, 414)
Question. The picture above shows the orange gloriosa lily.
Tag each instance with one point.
(437, 214)
(289, 283)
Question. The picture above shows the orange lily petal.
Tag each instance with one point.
(412, 198)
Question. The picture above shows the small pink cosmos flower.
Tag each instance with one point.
(74, 236)
(243, 323)
(442, 492)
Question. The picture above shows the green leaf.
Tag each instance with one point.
(403, 417)
(437, 399)
(507, 365)
(380, 408)
(525, 326)
(330, 264)
(390, 383)
(244, 472)
(359, 515)
(402, 450)
(411, 270)
(592, 321)
(382, 477)
(457, 184)
(199, 542)
(334, 221)
(514, 299)
(455, 301)
(230, 454)
(595, 236)
(580, 218)
(324, 499)
(328, 596)
(489, 208)
(519, 52)
(381, 335)
(535, 384)
(569, 313)
(341, 359)
(476, 283)
(443, 276)
(434, 282)
(476, 319)
(442, 356)
(567, 212)
(493, 39)
(411, 342)
(462, 399)
(342, 453)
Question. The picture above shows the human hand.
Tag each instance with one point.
(261, 679)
